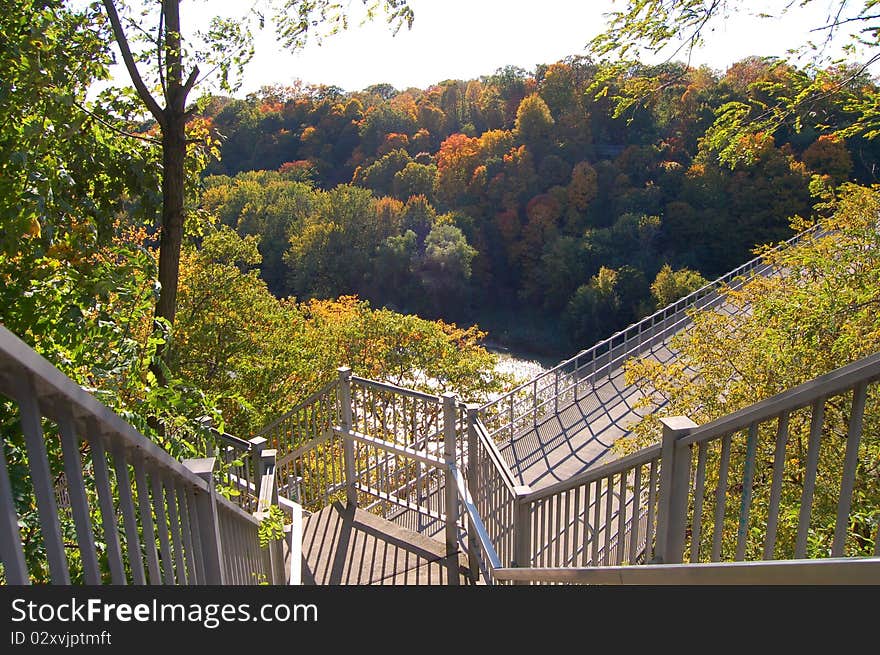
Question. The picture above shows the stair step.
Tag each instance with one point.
(345, 546)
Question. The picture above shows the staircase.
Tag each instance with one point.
(350, 546)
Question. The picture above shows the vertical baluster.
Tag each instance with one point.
(162, 526)
(851, 460)
(325, 481)
(596, 517)
(123, 490)
(588, 532)
(186, 532)
(776, 485)
(809, 478)
(746, 505)
(195, 529)
(721, 498)
(510, 401)
(652, 509)
(621, 519)
(41, 478)
(79, 504)
(557, 533)
(636, 515)
(571, 523)
(609, 501)
(176, 540)
(240, 574)
(108, 513)
(699, 492)
(14, 566)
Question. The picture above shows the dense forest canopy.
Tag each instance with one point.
(528, 194)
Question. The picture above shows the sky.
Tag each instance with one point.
(464, 39)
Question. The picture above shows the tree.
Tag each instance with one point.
(445, 266)
(534, 124)
(679, 26)
(226, 46)
(817, 313)
(671, 285)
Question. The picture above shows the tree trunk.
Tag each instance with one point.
(171, 237)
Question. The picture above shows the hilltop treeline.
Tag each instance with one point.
(529, 195)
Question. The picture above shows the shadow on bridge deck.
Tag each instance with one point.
(580, 434)
(342, 546)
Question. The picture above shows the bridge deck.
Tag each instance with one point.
(345, 547)
(580, 435)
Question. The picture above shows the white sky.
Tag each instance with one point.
(463, 39)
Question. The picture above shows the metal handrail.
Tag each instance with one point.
(622, 465)
(393, 388)
(300, 405)
(835, 571)
(174, 527)
(61, 396)
(475, 520)
(500, 464)
(837, 381)
(680, 305)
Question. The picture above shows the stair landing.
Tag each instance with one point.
(342, 546)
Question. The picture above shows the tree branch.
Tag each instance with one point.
(114, 128)
(159, 48)
(838, 22)
(130, 64)
(190, 81)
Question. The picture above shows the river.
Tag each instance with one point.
(523, 366)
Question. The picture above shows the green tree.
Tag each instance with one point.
(816, 314)
(166, 69)
(671, 285)
(534, 124)
(445, 266)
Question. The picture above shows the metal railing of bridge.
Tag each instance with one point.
(571, 380)
(84, 497)
(739, 490)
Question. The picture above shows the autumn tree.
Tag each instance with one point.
(534, 124)
(677, 28)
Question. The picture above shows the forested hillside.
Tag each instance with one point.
(529, 202)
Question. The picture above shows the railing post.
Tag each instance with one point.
(450, 487)
(674, 477)
(344, 391)
(472, 474)
(209, 524)
(510, 399)
(264, 467)
(294, 491)
(258, 445)
(535, 402)
(522, 529)
(556, 392)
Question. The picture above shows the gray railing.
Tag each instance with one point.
(739, 489)
(387, 453)
(401, 452)
(573, 379)
(85, 497)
